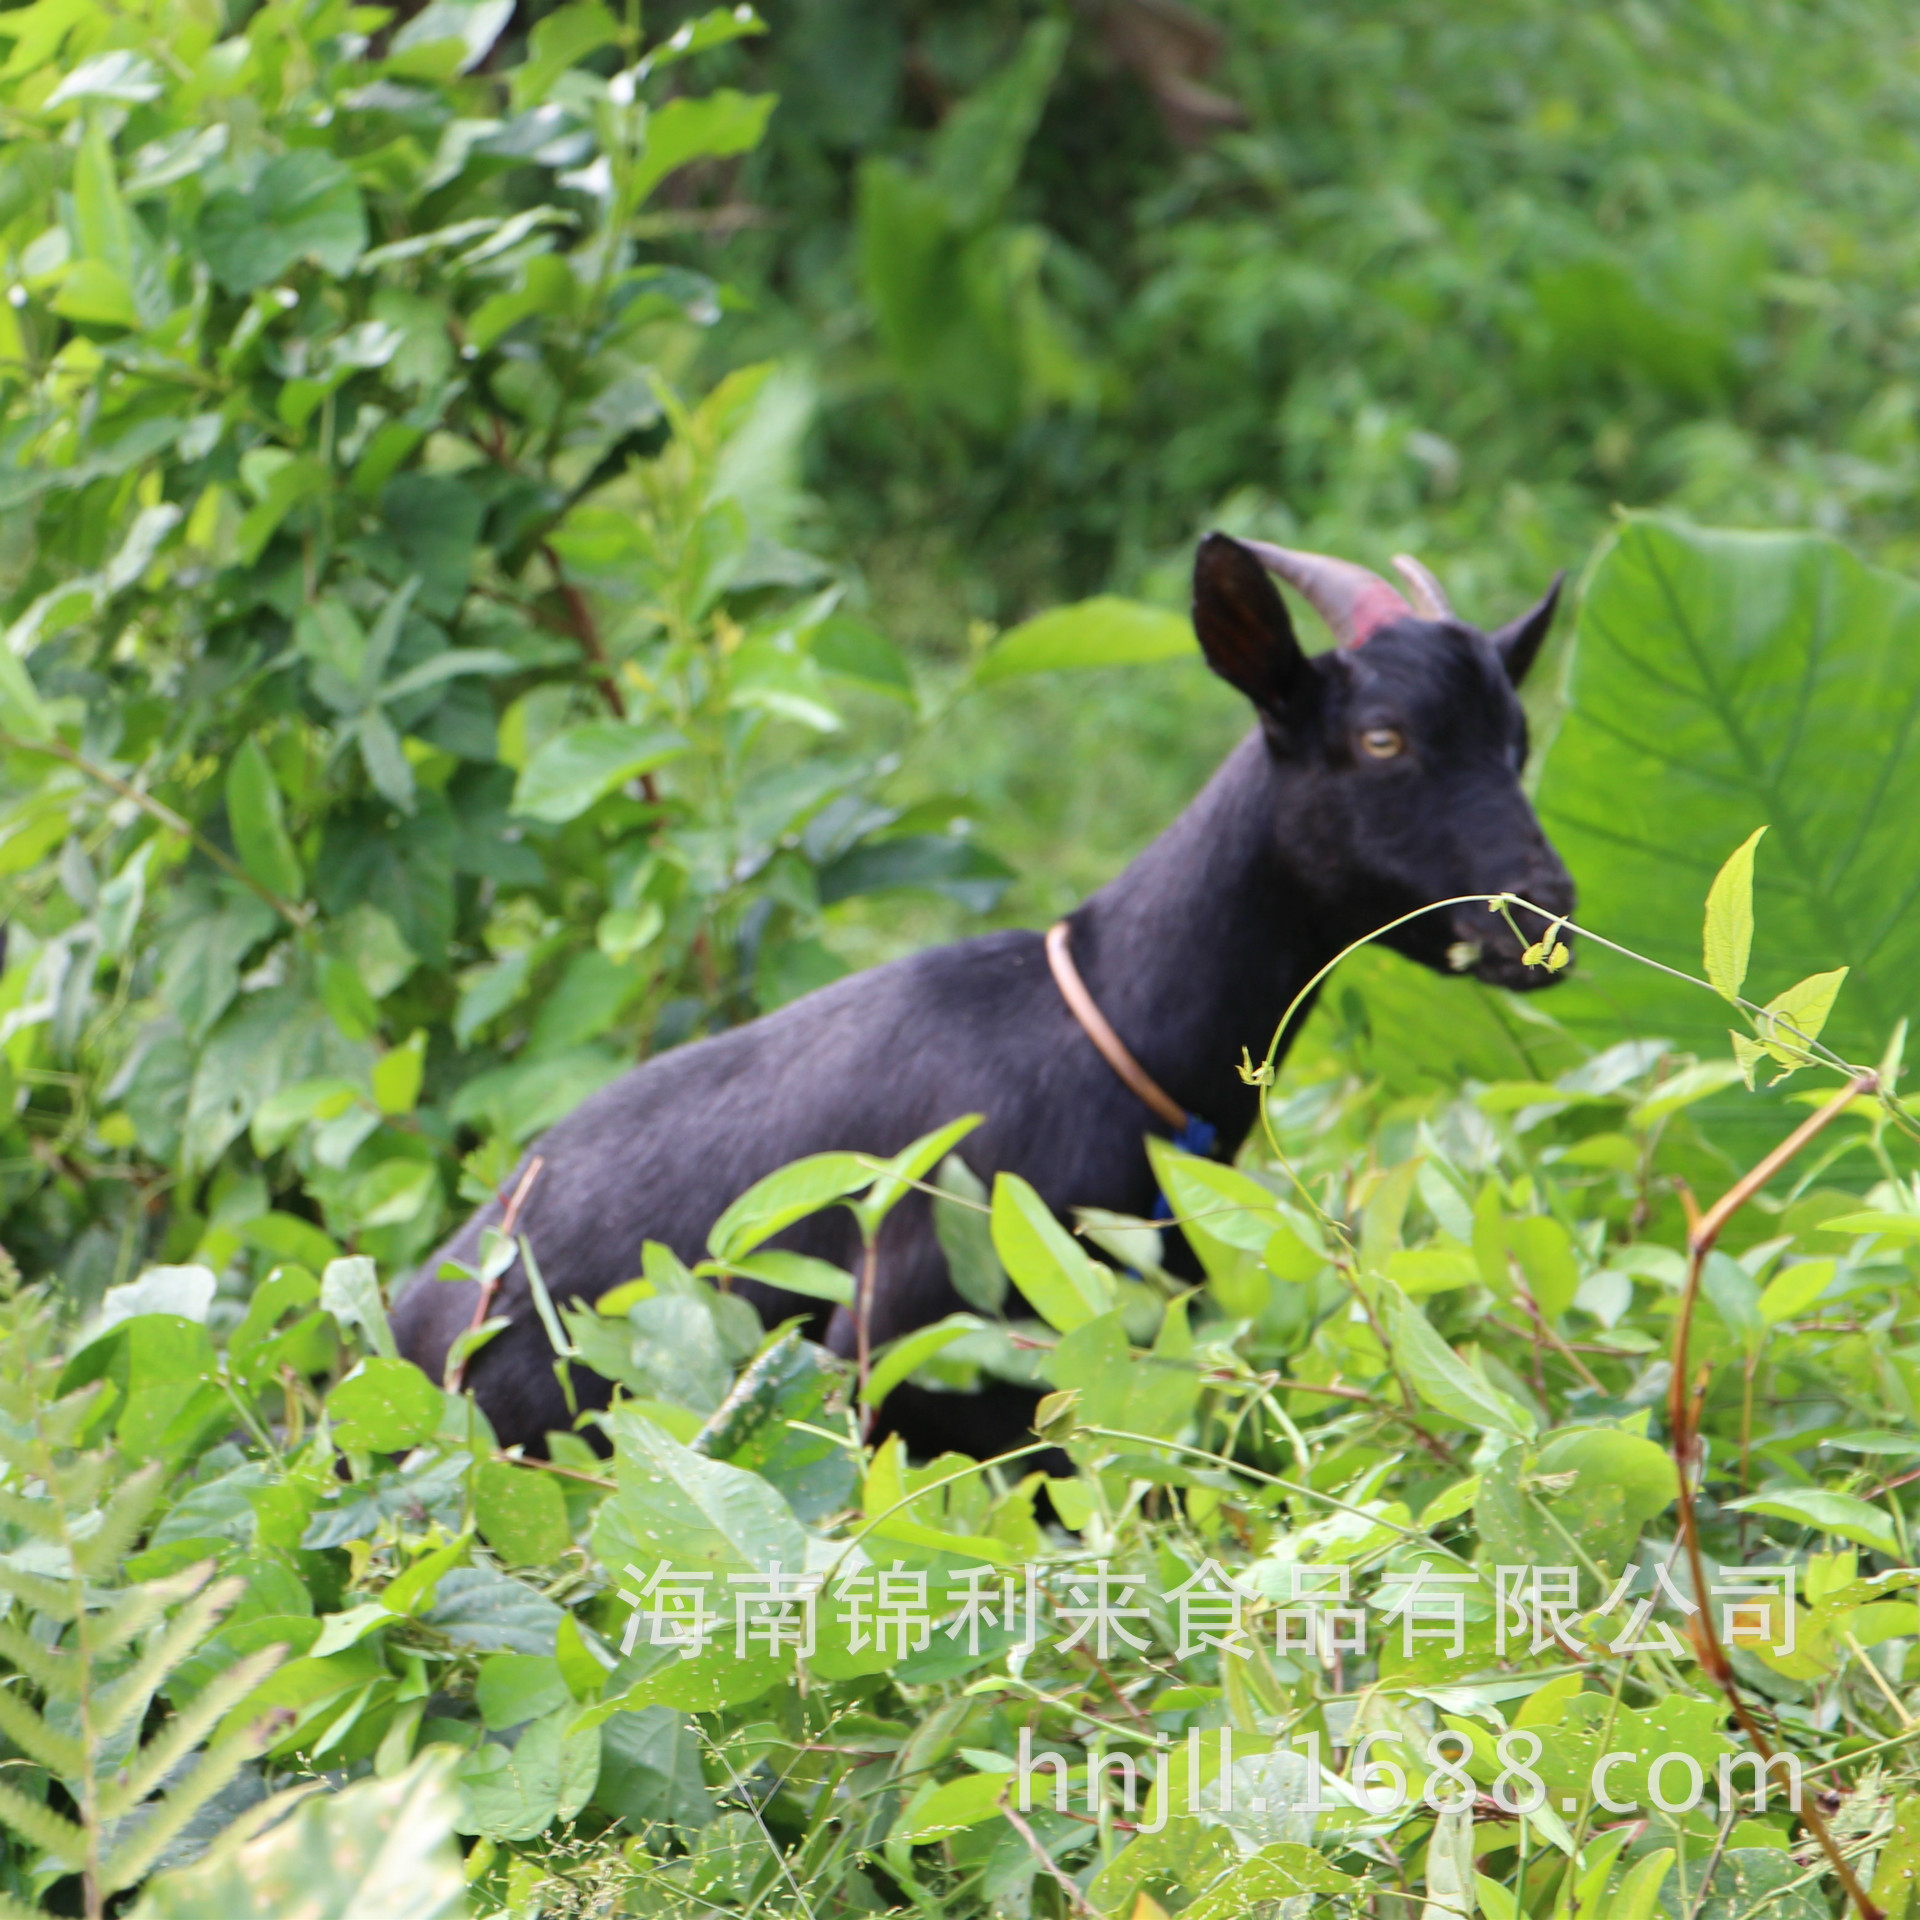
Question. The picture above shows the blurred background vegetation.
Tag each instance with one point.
(1074, 283)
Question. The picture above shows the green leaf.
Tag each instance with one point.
(397, 1074)
(104, 226)
(903, 1358)
(376, 1846)
(1730, 1289)
(350, 1291)
(206, 938)
(675, 1505)
(22, 712)
(976, 153)
(514, 1688)
(385, 759)
(936, 1812)
(1797, 1017)
(1729, 932)
(1544, 1249)
(1283, 1870)
(1897, 1871)
(289, 484)
(413, 1591)
(709, 127)
(487, 992)
(119, 75)
(1635, 1897)
(796, 1273)
(851, 650)
(1443, 1379)
(384, 1406)
(1137, 1393)
(910, 1165)
(965, 1233)
(912, 269)
(960, 868)
(1794, 1289)
(1899, 1226)
(548, 1774)
(1683, 1089)
(522, 1514)
(547, 286)
(1102, 632)
(650, 1770)
(259, 823)
(483, 1608)
(695, 35)
(447, 37)
(185, 1290)
(1219, 1202)
(582, 764)
(390, 1192)
(96, 295)
(665, 1348)
(303, 206)
(1720, 678)
(1062, 1285)
(1622, 1481)
(558, 42)
(1836, 1513)
(775, 1203)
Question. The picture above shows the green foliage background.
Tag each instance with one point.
(529, 535)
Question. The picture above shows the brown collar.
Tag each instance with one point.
(1073, 990)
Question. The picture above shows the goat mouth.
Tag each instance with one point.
(1508, 970)
(1500, 964)
(1487, 949)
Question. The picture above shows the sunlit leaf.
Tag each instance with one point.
(1102, 632)
(1729, 932)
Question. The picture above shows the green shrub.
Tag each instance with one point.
(415, 704)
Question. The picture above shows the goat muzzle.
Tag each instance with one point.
(1484, 944)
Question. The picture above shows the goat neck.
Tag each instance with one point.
(1194, 952)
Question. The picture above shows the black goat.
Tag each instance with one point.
(1381, 777)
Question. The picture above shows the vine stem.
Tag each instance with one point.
(863, 1331)
(297, 917)
(1701, 1236)
(490, 1289)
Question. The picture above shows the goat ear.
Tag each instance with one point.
(1244, 627)
(1518, 643)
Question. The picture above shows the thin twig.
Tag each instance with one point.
(1879, 1679)
(1702, 1234)
(1293, 1487)
(1887, 1486)
(1431, 1441)
(1713, 1859)
(863, 1332)
(1117, 1690)
(490, 1288)
(587, 631)
(1544, 1328)
(553, 1466)
(296, 917)
(1075, 1898)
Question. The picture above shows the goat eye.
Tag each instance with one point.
(1383, 742)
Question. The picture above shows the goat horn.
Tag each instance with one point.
(1429, 596)
(1352, 600)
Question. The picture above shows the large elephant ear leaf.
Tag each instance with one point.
(1721, 680)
